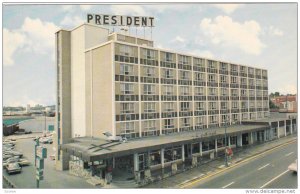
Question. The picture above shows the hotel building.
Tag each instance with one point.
(112, 82)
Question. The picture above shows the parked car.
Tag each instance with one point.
(293, 167)
(12, 168)
(23, 162)
(6, 156)
(14, 153)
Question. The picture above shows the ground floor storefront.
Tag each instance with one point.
(150, 159)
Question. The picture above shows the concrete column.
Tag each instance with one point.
(265, 135)
(182, 152)
(228, 140)
(216, 145)
(162, 157)
(113, 162)
(250, 138)
(136, 162)
(285, 128)
(291, 127)
(200, 147)
(278, 136)
(191, 149)
(239, 140)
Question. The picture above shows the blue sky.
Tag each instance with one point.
(259, 35)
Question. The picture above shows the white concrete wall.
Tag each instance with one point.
(37, 124)
(82, 38)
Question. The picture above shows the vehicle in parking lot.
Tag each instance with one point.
(14, 153)
(293, 166)
(23, 162)
(12, 168)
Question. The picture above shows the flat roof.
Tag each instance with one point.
(89, 149)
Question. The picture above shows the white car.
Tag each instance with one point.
(293, 167)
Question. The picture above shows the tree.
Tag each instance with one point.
(272, 105)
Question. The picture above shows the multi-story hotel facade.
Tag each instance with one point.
(175, 109)
(124, 85)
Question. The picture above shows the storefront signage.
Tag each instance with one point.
(120, 20)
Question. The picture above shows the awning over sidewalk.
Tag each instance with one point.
(94, 149)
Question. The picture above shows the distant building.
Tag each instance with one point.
(28, 108)
(285, 103)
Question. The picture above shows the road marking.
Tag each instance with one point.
(227, 185)
(236, 164)
(263, 166)
(289, 154)
(274, 179)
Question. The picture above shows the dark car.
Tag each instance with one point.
(13, 168)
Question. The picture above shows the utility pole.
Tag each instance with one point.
(226, 160)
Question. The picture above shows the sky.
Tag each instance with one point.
(259, 35)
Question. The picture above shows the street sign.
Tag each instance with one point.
(40, 163)
(41, 152)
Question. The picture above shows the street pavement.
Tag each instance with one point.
(257, 172)
(182, 180)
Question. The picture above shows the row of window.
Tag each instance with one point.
(128, 69)
(150, 107)
(150, 54)
(150, 89)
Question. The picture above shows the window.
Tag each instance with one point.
(169, 123)
(212, 91)
(168, 90)
(168, 73)
(150, 125)
(224, 118)
(211, 78)
(126, 69)
(224, 92)
(212, 105)
(200, 106)
(149, 71)
(184, 75)
(199, 91)
(184, 90)
(127, 108)
(243, 92)
(184, 106)
(168, 106)
(235, 117)
(212, 119)
(149, 89)
(224, 105)
(149, 107)
(233, 68)
(252, 93)
(199, 121)
(234, 92)
(126, 50)
(223, 79)
(223, 66)
(150, 54)
(258, 83)
(199, 62)
(243, 81)
(183, 59)
(126, 88)
(234, 105)
(169, 57)
(121, 37)
(212, 64)
(252, 104)
(200, 76)
(251, 82)
(233, 79)
(127, 127)
(244, 105)
(185, 122)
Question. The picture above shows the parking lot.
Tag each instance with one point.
(52, 177)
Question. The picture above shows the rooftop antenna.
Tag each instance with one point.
(151, 32)
(144, 33)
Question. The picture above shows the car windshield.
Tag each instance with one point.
(14, 165)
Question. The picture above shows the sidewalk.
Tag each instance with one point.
(213, 166)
